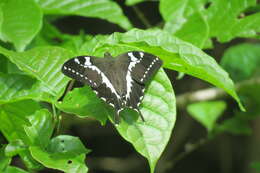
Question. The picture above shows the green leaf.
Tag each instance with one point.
(207, 113)
(159, 110)
(183, 17)
(15, 87)
(41, 128)
(241, 61)
(12, 169)
(4, 160)
(255, 165)
(3, 64)
(236, 125)
(14, 147)
(198, 23)
(65, 153)
(43, 63)
(13, 117)
(104, 9)
(247, 27)
(223, 16)
(133, 2)
(22, 20)
(176, 55)
(84, 103)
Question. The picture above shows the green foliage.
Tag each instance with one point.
(103, 9)
(158, 108)
(20, 29)
(240, 56)
(192, 17)
(32, 51)
(256, 165)
(65, 153)
(207, 113)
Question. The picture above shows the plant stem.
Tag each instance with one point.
(142, 17)
(210, 93)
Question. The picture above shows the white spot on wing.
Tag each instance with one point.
(87, 61)
(111, 104)
(141, 54)
(131, 55)
(105, 80)
(77, 60)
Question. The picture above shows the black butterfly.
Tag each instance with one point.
(118, 81)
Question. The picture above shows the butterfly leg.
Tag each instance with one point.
(118, 109)
(140, 114)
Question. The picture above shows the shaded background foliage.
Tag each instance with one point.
(211, 134)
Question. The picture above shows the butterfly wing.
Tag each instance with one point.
(82, 69)
(141, 67)
(145, 67)
(94, 72)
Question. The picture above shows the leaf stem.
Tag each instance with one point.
(142, 17)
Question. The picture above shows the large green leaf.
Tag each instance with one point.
(196, 22)
(207, 113)
(65, 153)
(176, 55)
(241, 61)
(41, 128)
(84, 102)
(21, 21)
(13, 118)
(15, 87)
(43, 63)
(104, 9)
(159, 110)
(183, 17)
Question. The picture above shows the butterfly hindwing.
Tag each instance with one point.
(141, 67)
(145, 65)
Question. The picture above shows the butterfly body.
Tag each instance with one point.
(118, 81)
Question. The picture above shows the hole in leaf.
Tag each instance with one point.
(62, 141)
(69, 162)
(207, 5)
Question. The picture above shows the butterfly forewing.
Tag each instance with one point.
(82, 69)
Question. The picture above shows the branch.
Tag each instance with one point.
(210, 93)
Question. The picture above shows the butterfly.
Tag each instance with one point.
(119, 81)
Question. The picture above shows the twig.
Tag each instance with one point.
(210, 93)
(142, 17)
